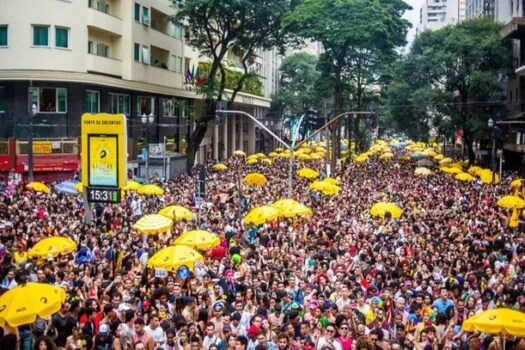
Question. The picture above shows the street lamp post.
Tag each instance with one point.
(30, 144)
(147, 122)
(493, 156)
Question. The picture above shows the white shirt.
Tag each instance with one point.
(158, 335)
(323, 341)
(209, 341)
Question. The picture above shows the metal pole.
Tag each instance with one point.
(30, 142)
(493, 158)
(147, 153)
(164, 161)
(501, 165)
(290, 175)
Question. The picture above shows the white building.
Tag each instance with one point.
(435, 14)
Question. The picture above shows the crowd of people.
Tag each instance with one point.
(339, 279)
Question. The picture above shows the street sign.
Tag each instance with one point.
(104, 156)
(219, 117)
(201, 181)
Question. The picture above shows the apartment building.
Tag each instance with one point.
(435, 14)
(62, 58)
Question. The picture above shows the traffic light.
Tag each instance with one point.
(219, 116)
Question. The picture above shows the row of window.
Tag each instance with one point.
(142, 15)
(141, 53)
(40, 36)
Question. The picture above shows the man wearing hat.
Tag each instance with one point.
(103, 339)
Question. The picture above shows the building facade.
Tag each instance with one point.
(68, 57)
(435, 14)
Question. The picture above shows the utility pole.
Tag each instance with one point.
(32, 111)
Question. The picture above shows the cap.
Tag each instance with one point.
(104, 329)
(226, 328)
(218, 307)
(139, 320)
(253, 330)
(291, 294)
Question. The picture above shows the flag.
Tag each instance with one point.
(195, 76)
(192, 73)
(189, 78)
(200, 79)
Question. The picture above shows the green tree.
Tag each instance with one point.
(451, 79)
(297, 90)
(216, 28)
(350, 31)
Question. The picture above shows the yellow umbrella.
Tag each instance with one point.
(381, 208)
(21, 305)
(316, 156)
(260, 155)
(325, 188)
(308, 173)
(464, 177)
(266, 161)
(332, 181)
(439, 157)
(261, 215)
(303, 156)
(451, 170)
(445, 161)
(176, 212)
(255, 179)
(279, 149)
(474, 170)
(497, 321)
(386, 156)
(239, 153)
(486, 176)
(153, 224)
(273, 154)
(251, 161)
(150, 190)
(219, 167)
(511, 202)
(283, 155)
(290, 208)
(53, 246)
(361, 158)
(430, 152)
(516, 183)
(173, 257)
(422, 171)
(38, 187)
(198, 239)
(132, 186)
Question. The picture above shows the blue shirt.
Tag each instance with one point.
(442, 305)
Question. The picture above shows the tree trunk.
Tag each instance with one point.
(194, 143)
(358, 118)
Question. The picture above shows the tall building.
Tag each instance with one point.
(435, 14)
(64, 58)
(480, 8)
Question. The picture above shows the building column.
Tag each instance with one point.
(225, 138)
(234, 133)
(215, 142)
(241, 133)
(251, 137)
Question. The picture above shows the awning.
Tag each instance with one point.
(515, 29)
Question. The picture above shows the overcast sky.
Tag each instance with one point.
(413, 17)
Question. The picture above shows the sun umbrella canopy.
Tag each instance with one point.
(38, 187)
(219, 167)
(273, 154)
(239, 153)
(198, 239)
(474, 170)
(439, 157)
(153, 224)
(150, 190)
(290, 208)
(422, 171)
(176, 212)
(303, 156)
(451, 170)
(386, 156)
(516, 183)
(381, 208)
(361, 158)
(21, 305)
(511, 202)
(261, 215)
(325, 188)
(67, 187)
(251, 161)
(445, 161)
(464, 177)
(308, 173)
(171, 258)
(266, 161)
(497, 321)
(53, 246)
(332, 181)
(255, 179)
(486, 176)
(132, 186)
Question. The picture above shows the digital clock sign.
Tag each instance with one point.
(103, 195)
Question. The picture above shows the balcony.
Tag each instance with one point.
(515, 29)
(104, 65)
(156, 75)
(105, 22)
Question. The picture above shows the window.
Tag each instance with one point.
(176, 64)
(102, 50)
(136, 52)
(3, 36)
(177, 31)
(137, 12)
(49, 100)
(102, 6)
(62, 37)
(145, 54)
(40, 36)
(2, 99)
(145, 16)
(92, 101)
(90, 46)
(146, 105)
(119, 103)
(171, 107)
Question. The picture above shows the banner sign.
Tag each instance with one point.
(42, 147)
(104, 150)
